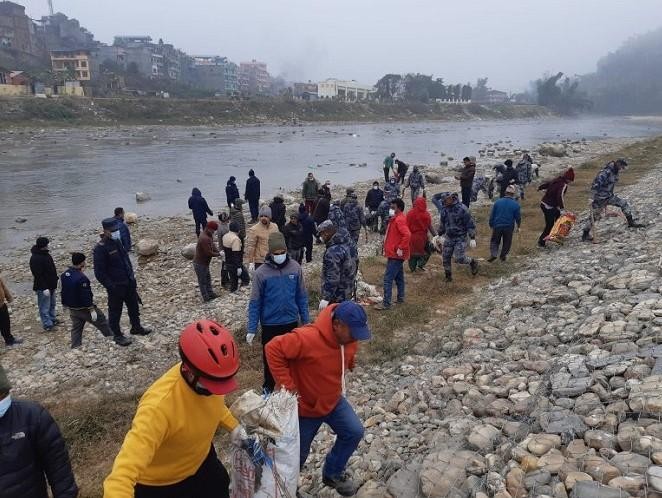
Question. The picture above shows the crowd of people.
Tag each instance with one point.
(169, 452)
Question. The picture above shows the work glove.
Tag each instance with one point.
(251, 267)
(9, 310)
(239, 272)
(93, 315)
(46, 293)
(399, 252)
(472, 243)
(249, 338)
(238, 436)
(323, 304)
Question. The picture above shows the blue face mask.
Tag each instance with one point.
(4, 405)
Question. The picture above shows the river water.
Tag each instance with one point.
(68, 178)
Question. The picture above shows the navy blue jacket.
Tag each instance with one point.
(231, 192)
(112, 266)
(505, 213)
(76, 290)
(455, 221)
(32, 450)
(125, 235)
(308, 225)
(374, 198)
(252, 192)
(198, 205)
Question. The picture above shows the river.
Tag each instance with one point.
(61, 179)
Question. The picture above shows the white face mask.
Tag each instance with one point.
(391, 212)
(375, 187)
(115, 235)
(4, 405)
(279, 259)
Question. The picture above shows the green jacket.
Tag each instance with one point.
(309, 190)
(388, 162)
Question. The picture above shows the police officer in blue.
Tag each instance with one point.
(77, 296)
(113, 270)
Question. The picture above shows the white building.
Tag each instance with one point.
(343, 90)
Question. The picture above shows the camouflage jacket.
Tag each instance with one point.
(391, 191)
(416, 180)
(339, 267)
(455, 221)
(336, 216)
(603, 185)
(354, 217)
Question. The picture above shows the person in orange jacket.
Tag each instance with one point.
(311, 360)
(396, 250)
(169, 452)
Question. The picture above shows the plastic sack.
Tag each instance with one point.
(275, 423)
(562, 228)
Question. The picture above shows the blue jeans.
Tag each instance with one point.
(46, 308)
(349, 432)
(394, 271)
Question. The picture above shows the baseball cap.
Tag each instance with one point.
(353, 315)
(111, 224)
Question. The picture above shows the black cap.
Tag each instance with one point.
(111, 224)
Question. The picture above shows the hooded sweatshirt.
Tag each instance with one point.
(231, 191)
(419, 222)
(43, 270)
(198, 205)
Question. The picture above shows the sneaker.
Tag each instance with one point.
(56, 322)
(141, 331)
(502, 258)
(49, 329)
(121, 340)
(586, 236)
(474, 267)
(449, 276)
(381, 307)
(13, 342)
(343, 485)
(491, 258)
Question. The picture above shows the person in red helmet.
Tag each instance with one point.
(168, 452)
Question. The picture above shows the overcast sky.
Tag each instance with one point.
(510, 41)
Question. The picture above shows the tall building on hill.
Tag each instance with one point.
(254, 78)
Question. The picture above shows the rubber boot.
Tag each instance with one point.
(586, 235)
(632, 223)
(449, 276)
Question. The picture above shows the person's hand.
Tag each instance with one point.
(9, 310)
(238, 436)
(519, 228)
(399, 252)
(249, 338)
(472, 243)
(93, 315)
(323, 304)
(46, 293)
(239, 272)
(251, 267)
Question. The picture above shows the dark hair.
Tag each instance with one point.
(118, 211)
(466, 159)
(251, 172)
(234, 227)
(508, 162)
(399, 203)
(375, 183)
(42, 242)
(77, 258)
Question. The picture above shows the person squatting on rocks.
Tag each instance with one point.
(33, 452)
(125, 232)
(44, 282)
(113, 270)
(278, 302)
(455, 224)
(602, 192)
(339, 265)
(553, 202)
(231, 191)
(311, 361)
(198, 205)
(257, 245)
(309, 231)
(354, 216)
(402, 169)
(294, 238)
(233, 249)
(252, 195)
(278, 211)
(466, 178)
(5, 320)
(388, 166)
(336, 215)
(373, 199)
(77, 296)
(419, 223)
(524, 174)
(416, 184)
(169, 451)
(205, 250)
(309, 190)
(396, 250)
(503, 218)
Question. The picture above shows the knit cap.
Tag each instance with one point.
(265, 211)
(277, 242)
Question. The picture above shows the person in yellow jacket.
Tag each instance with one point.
(168, 453)
(257, 246)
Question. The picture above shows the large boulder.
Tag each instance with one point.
(188, 251)
(433, 178)
(130, 218)
(142, 197)
(147, 247)
(554, 150)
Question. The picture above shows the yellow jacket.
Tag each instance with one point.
(257, 245)
(169, 438)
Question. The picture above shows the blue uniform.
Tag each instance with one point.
(339, 267)
(76, 291)
(125, 235)
(455, 223)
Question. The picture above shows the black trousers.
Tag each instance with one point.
(117, 298)
(551, 215)
(387, 171)
(5, 325)
(466, 195)
(268, 333)
(199, 224)
(309, 249)
(234, 278)
(500, 235)
(254, 206)
(210, 481)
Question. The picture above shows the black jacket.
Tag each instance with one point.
(278, 212)
(199, 206)
(294, 237)
(112, 266)
(231, 192)
(321, 212)
(43, 270)
(252, 192)
(76, 291)
(32, 450)
(374, 198)
(308, 224)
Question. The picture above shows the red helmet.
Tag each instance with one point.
(209, 352)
